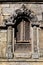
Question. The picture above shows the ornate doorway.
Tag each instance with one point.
(19, 27)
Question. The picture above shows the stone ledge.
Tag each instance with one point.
(21, 60)
(2, 26)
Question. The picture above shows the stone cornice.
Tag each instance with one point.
(21, 60)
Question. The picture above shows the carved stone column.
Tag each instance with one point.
(38, 39)
(35, 42)
(31, 33)
(9, 42)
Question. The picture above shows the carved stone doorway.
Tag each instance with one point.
(18, 40)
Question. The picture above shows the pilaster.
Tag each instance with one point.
(35, 44)
(9, 42)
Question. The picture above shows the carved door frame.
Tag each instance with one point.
(10, 24)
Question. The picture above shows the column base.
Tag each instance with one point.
(35, 55)
(9, 55)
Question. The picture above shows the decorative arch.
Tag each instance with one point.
(23, 12)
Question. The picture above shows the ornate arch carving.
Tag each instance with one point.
(22, 12)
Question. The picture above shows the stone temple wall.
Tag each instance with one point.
(5, 11)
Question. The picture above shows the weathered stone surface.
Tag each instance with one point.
(41, 42)
(3, 35)
(39, 17)
(15, 6)
(5, 5)
(0, 10)
(21, 63)
(3, 41)
(41, 38)
(1, 19)
(7, 11)
(35, 8)
(6, 16)
(35, 56)
(22, 55)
